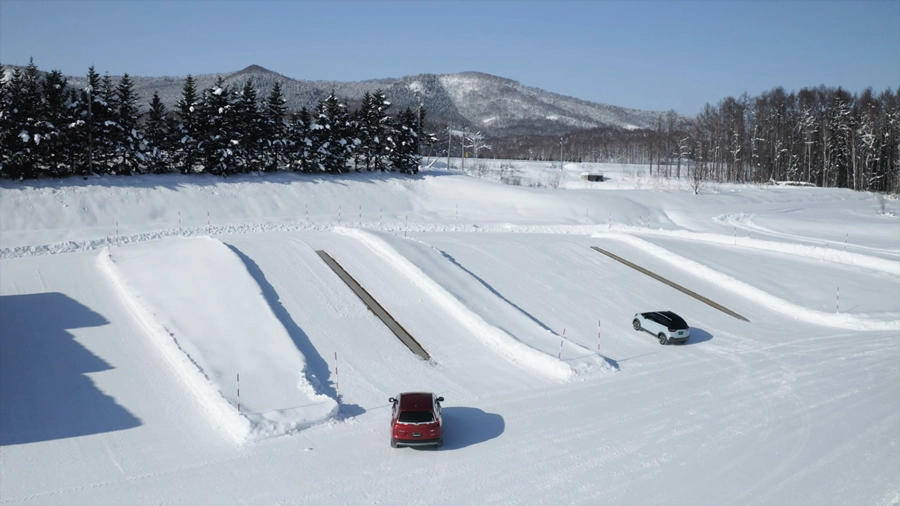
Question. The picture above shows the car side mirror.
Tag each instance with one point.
(440, 399)
(392, 400)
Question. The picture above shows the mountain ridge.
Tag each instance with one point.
(494, 105)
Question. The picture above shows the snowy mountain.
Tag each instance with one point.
(491, 104)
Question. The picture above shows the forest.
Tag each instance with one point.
(49, 129)
(820, 136)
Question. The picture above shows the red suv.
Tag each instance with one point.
(416, 420)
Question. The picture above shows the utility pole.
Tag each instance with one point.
(462, 150)
(560, 153)
(419, 127)
(449, 138)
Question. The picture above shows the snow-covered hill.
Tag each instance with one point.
(491, 104)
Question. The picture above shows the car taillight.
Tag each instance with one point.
(672, 330)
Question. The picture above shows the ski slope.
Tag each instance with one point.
(137, 313)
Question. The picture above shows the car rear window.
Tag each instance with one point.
(675, 321)
(415, 417)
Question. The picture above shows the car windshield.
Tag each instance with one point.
(415, 417)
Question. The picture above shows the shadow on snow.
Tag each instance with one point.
(698, 336)
(495, 292)
(44, 391)
(317, 371)
(176, 180)
(465, 426)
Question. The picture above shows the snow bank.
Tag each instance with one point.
(779, 305)
(826, 253)
(535, 349)
(207, 314)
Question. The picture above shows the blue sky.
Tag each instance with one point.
(654, 55)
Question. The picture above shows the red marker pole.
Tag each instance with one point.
(598, 337)
(559, 355)
(337, 382)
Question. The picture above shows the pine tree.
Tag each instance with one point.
(402, 143)
(378, 129)
(158, 132)
(57, 115)
(247, 126)
(317, 141)
(363, 151)
(187, 149)
(10, 93)
(5, 121)
(217, 140)
(274, 129)
(128, 139)
(26, 132)
(84, 131)
(106, 128)
(330, 134)
(300, 142)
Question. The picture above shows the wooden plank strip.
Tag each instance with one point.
(673, 285)
(374, 306)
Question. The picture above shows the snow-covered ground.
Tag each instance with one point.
(174, 339)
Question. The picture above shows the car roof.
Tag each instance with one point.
(416, 400)
(674, 318)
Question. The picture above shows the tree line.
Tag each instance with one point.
(820, 136)
(49, 129)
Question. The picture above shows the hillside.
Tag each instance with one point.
(491, 104)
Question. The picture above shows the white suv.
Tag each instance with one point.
(667, 326)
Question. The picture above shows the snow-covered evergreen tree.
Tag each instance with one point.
(187, 150)
(330, 134)
(81, 131)
(402, 143)
(374, 129)
(27, 130)
(129, 140)
(275, 130)
(158, 134)
(5, 121)
(363, 153)
(300, 143)
(246, 127)
(105, 126)
(57, 114)
(217, 139)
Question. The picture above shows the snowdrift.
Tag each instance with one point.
(208, 317)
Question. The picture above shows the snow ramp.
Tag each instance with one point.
(209, 318)
(776, 304)
(494, 321)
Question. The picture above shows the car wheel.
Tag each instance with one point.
(440, 443)
(662, 339)
(636, 324)
(393, 444)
